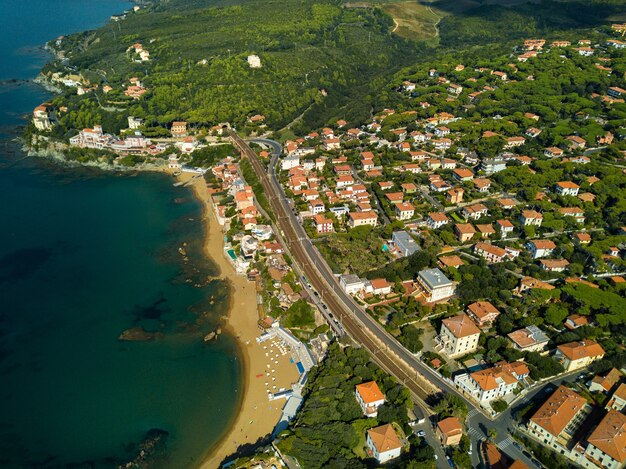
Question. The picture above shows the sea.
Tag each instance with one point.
(84, 256)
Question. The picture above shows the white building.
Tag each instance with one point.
(351, 284)
(492, 383)
(383, 443)
(289, 162)
(41, 118)
(540, 248)
(254, 61)
(370, 398)
(575, 355)
(458, 336)
(435, 284)
(606, 446)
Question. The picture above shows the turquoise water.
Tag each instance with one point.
(84, 256)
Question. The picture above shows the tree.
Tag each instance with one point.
(499, 405)
(410, 338)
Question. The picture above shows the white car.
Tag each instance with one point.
(421, 433)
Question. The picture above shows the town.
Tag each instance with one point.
(479, 223)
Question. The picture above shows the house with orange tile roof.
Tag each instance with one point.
(482, 312)
(404, 210)
(618, 399)
(559, 417)
(493, 254)
(436, 220)
(492, 383)
(449, 431)
(566, 188)
(605, 383)
(450, 261)
(383, 443)
(531, 218)
(606, 446)
(370, 398)
(464, 231)
(540, 247)
(575, 321)
(458, 336)
(362, 218)
(575, 355)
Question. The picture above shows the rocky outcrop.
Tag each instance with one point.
(139, 334)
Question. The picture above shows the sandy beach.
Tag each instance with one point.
(261, 370)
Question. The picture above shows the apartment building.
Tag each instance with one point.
(435, 285)
(458, 336)
(492, 383)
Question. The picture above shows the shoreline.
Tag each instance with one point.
(256, 416)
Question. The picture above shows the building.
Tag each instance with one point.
(554, 265)
(91, 138)
(492, 383)
(607, 382)
(404, 210)
(492, 165)
(404, 243)
(254, 61)
(575, 321)
(566, 188)
(531, 218)
(179, 129)
(505, 227)
(435, 284)
(575, 355)
(483, 313)
(606, 446)
(558, 419)
(458, 336)
(362, 218)
(289, 162)
(383, 443)
(529, 339)
(493, 254)
(351, 284)
(540, 248)
(436, 220)
(323, 224)
(41, 118)
(475, 211)
(449, 431)
(464, 231)
(380, 286)
(618, 399)
(370, 398)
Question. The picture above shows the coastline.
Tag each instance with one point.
(257, 415)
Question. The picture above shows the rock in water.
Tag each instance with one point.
(139, 334)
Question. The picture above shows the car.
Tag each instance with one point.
(470, 450)
(450, 462)
(421, 433)
(316, 294)
(436, 457)
(527, 454)
(536, 463)
(517, 445)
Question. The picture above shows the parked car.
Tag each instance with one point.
(421, 433)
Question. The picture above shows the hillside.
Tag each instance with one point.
(197, 70)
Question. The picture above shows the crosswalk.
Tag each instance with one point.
(472, 413)
(476, 433)
(504, 444)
